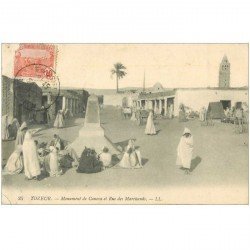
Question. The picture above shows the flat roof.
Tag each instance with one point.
(148, 95)
(156, 94)
(214, 88)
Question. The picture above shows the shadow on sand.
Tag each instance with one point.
(144, 161)
(158, 131)
(194, 163)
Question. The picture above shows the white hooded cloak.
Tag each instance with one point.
(30, 157)
(21, 134)
(185, 150)
(59, 121)
(54, 162)
(132, 159)
(150, 127)
(15, 162)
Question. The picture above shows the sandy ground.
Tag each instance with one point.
(220, 156)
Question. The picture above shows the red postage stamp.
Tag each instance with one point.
(35, 60)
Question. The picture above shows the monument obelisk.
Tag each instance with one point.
(91, 134)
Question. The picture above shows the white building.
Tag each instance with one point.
(160, 99)
(196, 98)
(193, 98)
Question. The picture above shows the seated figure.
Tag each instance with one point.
(64, 151)
(88, 162)
(55, 169)
(15, 162)
(105, 157)
(131, 157)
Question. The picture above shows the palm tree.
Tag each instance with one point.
(119, 71)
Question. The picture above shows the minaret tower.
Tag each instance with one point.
(224, 73)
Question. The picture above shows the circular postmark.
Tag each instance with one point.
(26, 92)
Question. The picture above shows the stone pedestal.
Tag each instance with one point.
(92, 135)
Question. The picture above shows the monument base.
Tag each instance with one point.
(92, 137)
(90, 131)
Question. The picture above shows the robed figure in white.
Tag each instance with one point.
(54, 162)
(15, 162)
(185, 150)
(30, 157)
(21, 134)
(59, 121)
(131, 157)
(150, 127)
(133, 117)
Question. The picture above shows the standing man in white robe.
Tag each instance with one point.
(21, 134)
(150, 127)
(30, 158)
(185, 151)
(133, 116)
(59, 121)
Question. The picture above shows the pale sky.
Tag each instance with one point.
(173, 65)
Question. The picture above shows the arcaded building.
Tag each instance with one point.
(73, 100)
(161, 99)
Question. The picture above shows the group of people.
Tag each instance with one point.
(25, 155)
(51, 159)
(184, 149)
(91, 162)
(237, 116)
(38, 160)
(150, 127)
(61, 116)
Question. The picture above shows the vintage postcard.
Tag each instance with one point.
(124, 123)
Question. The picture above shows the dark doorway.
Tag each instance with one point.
(44, 100)
(238, 105)
(162, 107)
(170, 101)
(143, 104)
(225, 104)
